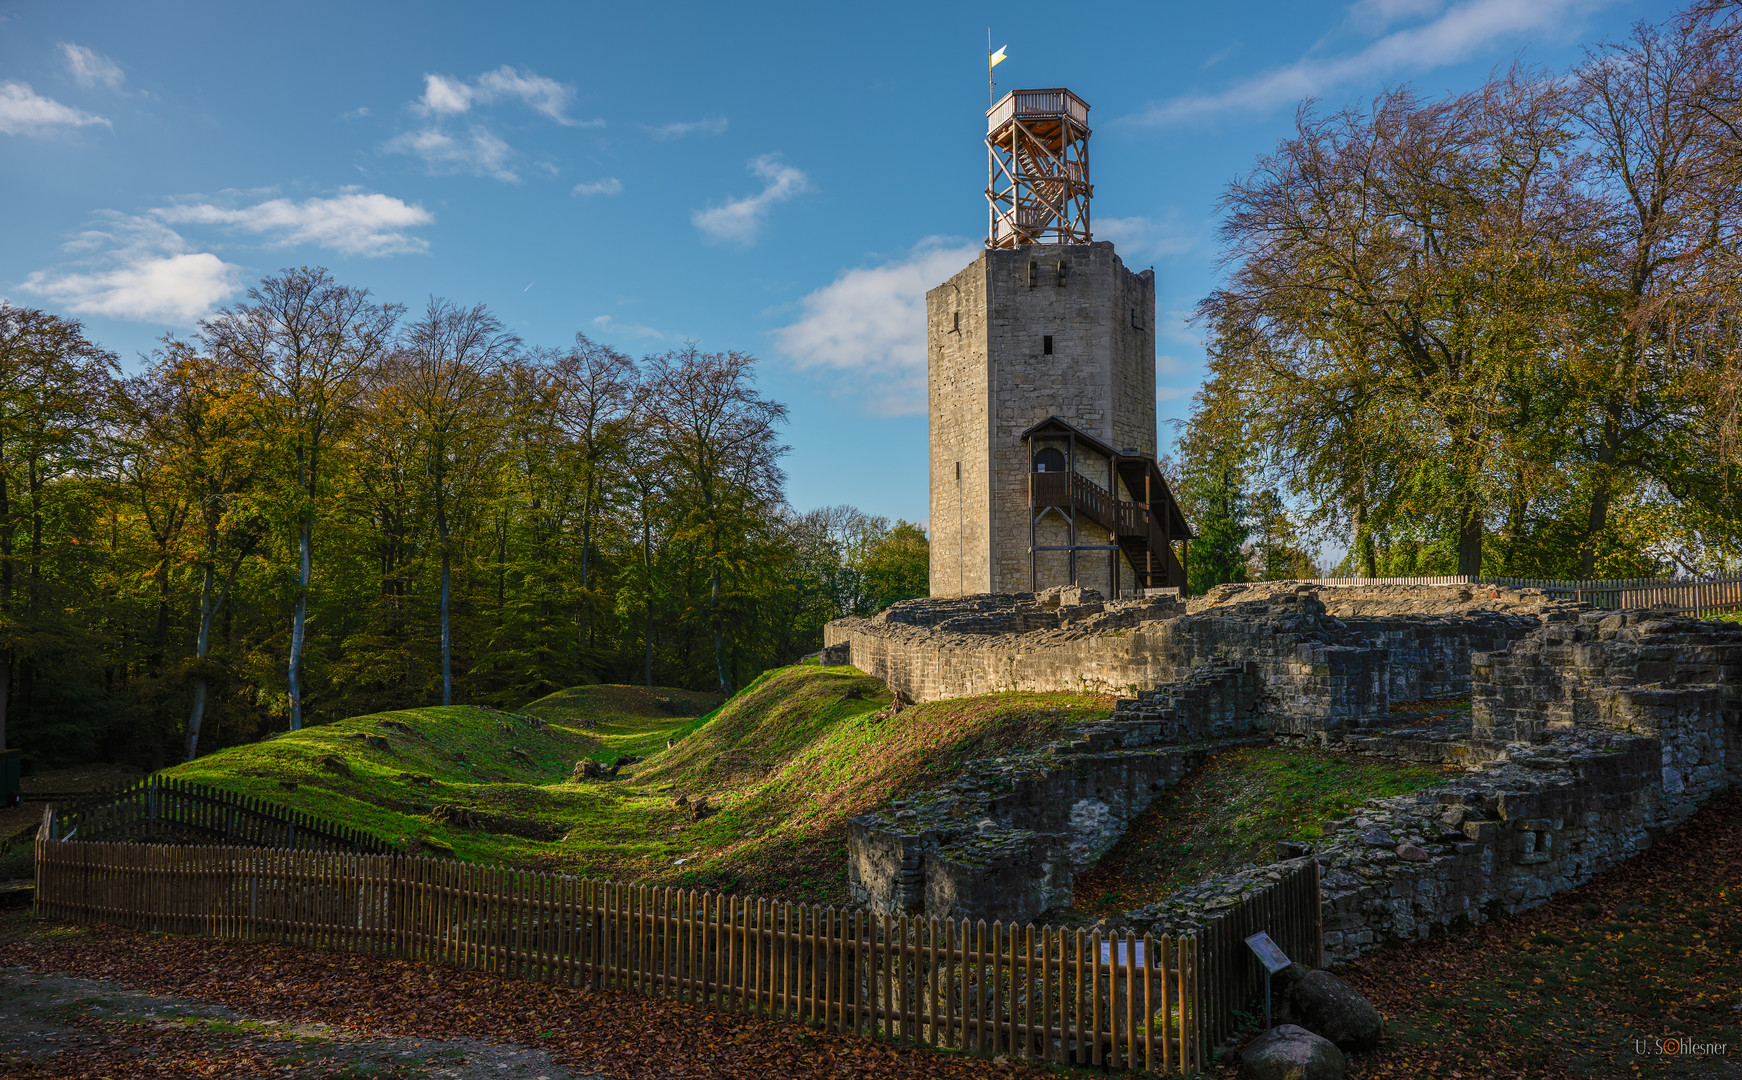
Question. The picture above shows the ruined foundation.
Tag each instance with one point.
(1590, 734)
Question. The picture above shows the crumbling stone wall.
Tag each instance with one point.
(1637, 671)
(1577, 776)
(1321, 671)
(1005, 839)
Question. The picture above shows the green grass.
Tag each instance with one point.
(785, 763)
(1726, 616)
(1232, 812)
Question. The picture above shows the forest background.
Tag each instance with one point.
(322, 505)
(1493, 332)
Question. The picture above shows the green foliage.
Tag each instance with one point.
(486, 522)
(1450, 335)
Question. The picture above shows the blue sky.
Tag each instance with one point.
(783, 179)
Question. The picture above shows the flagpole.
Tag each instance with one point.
(991, 84)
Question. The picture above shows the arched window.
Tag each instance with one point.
(1049, 460)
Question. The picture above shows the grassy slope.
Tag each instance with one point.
(1232, 812)
(596, 721)
(786, 761)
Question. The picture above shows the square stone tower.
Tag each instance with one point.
(1025, 334)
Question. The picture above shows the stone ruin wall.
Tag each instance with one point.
(1321, 670)
(1592, 733)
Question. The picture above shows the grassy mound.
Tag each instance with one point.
(392, 773)
(784, 764)
(1232, 812)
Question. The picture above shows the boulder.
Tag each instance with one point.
(1288, 1052)
(1327, 1006)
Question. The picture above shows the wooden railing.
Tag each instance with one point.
(1119, 1002)
(1691, 596)
(1022, 103)
(162, 809)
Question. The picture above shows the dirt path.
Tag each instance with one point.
(57, 1026)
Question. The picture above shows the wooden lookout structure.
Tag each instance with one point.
(1133, 512)
(1037, 169)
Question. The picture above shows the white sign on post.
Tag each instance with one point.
(1124, 960)
(1274, 960)
(1268, 952)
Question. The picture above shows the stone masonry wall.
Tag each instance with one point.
(989, 378)
(1580, 790)
(1322, 672)
(1005, 839)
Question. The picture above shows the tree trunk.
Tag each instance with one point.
(209, 606)
(299, 619)
(719, 636)
(647, 592)
(1601, 494)
(1469, 540)
(447, 634)
(6, 693)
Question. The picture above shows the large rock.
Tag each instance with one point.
(1288, 1052)
(1327, 1006)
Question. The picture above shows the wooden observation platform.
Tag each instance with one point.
(1037, 169)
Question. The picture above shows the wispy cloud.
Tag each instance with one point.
(1455, 33)
(129, 267)
(25, 112)
(869, 325)
(444, 95)
(136, 266)
(479, 151)
(476, 151)
(608, 325)
(610, 185)
(1148, 238)
(89, 67)
(739, 221)
(680, 128)
(350, 223)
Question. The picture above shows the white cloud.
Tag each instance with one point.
(1458, 33)
(607, 325)
(89, 67)
(444, 95)
(25, 112)
(869, 324)
(739, 220)
(610, 185)
(140, 270)
(478, 152)
(351, 223)
(678, 129)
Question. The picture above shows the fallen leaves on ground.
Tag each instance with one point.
(1648, 950)
(624, 1035)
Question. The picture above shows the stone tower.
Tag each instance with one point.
(1041, 373)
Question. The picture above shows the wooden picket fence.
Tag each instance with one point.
(1042, 993)
(1697, 597)
(1289, 911)
(168, 810)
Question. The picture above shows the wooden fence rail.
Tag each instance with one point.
(1289, 911)
(1697, 597)
(1043, 993)
(164, 809)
